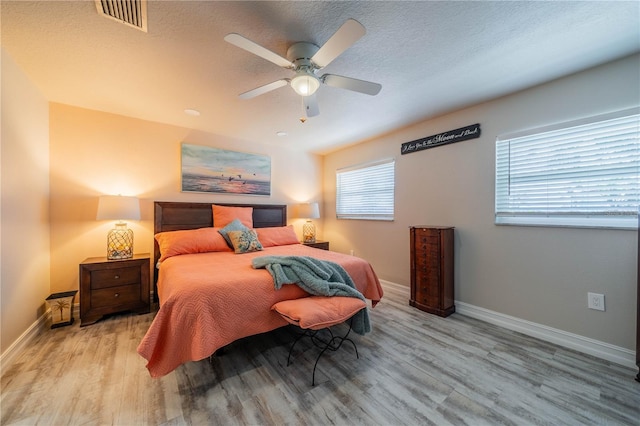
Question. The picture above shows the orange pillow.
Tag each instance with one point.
(317, 312)
(223, 215)
(173, 243)
(277, 236)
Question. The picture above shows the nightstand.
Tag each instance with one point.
(324, 245)
(111, 286)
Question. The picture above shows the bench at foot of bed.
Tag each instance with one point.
(316, 313)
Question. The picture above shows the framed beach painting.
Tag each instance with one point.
(208, 169)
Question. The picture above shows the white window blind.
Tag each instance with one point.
(584, 174)
(366, 191)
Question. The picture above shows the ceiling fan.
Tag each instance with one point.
(305, 59)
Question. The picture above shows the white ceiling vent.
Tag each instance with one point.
(129, 12)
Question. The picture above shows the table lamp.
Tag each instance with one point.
(119, 239)
(308, 211)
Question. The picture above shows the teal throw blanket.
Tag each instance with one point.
(316, 277)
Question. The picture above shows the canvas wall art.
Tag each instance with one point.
(208, 169)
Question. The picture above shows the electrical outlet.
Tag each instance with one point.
(596, 301)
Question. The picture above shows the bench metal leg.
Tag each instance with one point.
(333, 344)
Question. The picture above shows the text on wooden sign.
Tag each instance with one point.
(451, 136)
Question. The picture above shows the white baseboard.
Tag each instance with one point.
(8, 356)
(603, 350)
(606, 351)
(386, 283)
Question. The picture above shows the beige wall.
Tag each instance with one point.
(24, 205)
(94, 153)
(533, 273)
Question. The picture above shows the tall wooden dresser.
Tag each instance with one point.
(432, 269)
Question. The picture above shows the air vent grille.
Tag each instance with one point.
(130, 12)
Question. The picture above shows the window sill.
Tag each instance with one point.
(611, 222)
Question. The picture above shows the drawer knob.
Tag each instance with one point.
(117, 277)
(116, 295)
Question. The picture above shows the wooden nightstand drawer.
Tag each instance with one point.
(115, 277)
(111, 286)
(115, 296)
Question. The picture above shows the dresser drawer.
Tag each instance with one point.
(427, 240)
(425, 292)
(115, 277)
(115, 296)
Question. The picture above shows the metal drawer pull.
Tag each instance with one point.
(116, 295)
(117, 277)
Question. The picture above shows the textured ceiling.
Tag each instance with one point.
(430, 57)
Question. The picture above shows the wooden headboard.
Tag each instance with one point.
(174, 216)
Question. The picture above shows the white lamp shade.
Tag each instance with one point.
(308, 211)
(117, 207)
(305, 84)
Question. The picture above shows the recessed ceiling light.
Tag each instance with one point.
(281, 133)
(193, 112)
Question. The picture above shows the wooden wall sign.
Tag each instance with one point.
(457, 135)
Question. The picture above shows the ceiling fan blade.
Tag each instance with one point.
(263, 89)
(256, 49)
(347, 34)
(310, 105)
(362, 86)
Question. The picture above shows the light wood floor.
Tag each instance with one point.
(414, 369)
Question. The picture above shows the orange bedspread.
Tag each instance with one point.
(209, 300)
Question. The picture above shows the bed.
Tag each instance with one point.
(210, 296)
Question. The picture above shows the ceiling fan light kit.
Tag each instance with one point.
(305, 84)
(305, 59)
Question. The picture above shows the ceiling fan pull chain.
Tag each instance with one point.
(303, 117)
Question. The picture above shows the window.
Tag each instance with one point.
(366, 191)
(583, 174)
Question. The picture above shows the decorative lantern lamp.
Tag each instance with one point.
(61, 305)
(309, 211)
(119, 239)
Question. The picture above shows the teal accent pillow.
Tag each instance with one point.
(244, 241)
(234, 225)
